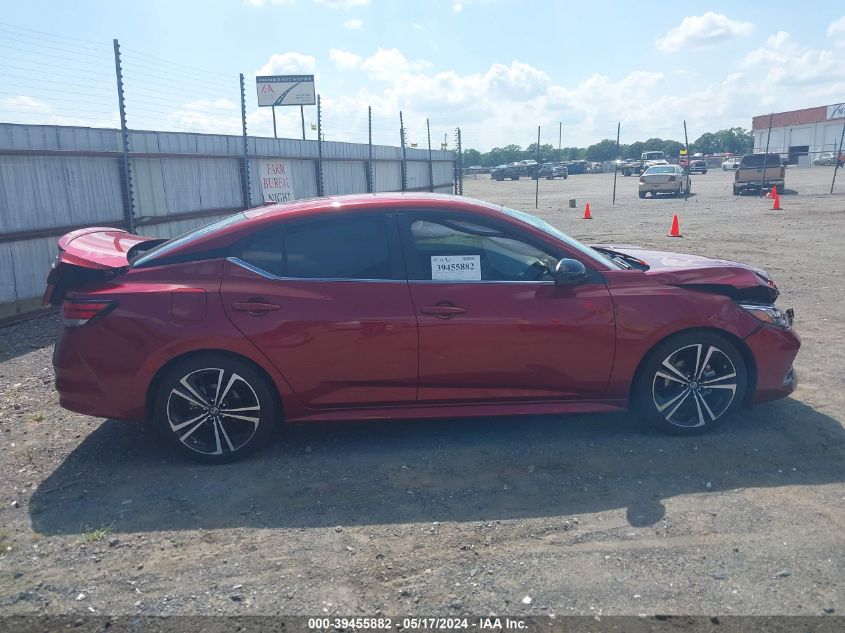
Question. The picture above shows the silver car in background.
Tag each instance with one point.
(671, 179)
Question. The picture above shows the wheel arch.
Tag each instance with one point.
(747, 357)
(152, 388)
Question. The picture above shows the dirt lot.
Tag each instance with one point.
(583, 514)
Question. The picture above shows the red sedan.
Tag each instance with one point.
(402, 306)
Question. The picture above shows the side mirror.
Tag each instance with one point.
(569, 271)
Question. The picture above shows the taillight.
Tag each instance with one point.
(642, 180)
(672, 179)
(76, 312)
(782, 171)
(736, 173)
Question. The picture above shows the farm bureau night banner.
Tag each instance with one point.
(276, 181)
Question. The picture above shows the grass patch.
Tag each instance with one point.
(93, 536)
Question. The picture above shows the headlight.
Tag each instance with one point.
(768, 314)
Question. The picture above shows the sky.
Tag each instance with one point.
(496, 68)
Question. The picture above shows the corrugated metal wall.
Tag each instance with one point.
(55, 178)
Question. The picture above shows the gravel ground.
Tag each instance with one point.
(583, 514)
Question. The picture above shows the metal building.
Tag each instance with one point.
(801, 136)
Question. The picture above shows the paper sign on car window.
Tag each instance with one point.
(456, 267)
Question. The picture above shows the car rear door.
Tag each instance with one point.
(327, 301)
(492, 325)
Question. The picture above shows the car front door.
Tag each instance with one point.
(327, 301)
(493, 325)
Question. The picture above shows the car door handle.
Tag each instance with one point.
(443, 311)
(255, 307)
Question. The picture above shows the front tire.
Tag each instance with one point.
(690, 382)
(215, 408)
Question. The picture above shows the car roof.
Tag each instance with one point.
(365, 202)
(253, 219)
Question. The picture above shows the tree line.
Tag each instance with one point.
(735, 140)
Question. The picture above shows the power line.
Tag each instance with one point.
(162, 60)
(167, 72)
(51, 35)
(44, 70)
(50, 82)
(65, 51)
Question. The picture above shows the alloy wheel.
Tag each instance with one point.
(694, 385)
(213, 411)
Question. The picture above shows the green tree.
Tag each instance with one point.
(471, 157)
(604, 150)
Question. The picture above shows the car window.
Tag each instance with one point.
(351, 247)
(458, 250)
(660, 170)
(756, 160)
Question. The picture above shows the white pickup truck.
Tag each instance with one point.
(647, 159)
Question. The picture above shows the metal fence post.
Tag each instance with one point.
(319, 148)
(766, 155)
(615, 162)
(404, 164)
(836, 156)
(246, 193)
(430, 166)
(125, 166)
(370, 187)
(459, 165)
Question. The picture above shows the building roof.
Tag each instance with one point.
(796, 117)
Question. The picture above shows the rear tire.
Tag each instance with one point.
(215, 408)
(642, 194)
(690, 382)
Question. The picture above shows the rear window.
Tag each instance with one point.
(659, 170)
(756, 160)
(165, 247)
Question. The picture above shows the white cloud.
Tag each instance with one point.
(343, 5)
(389, 64)
(783, 62)
(26, 102)
(701, 31)
(291, 62)
(837, 27)
(457, 7)
(217, 104)
(345, 60)
(264, 3)
(353, 25)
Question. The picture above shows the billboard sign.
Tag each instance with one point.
(276, 181)
(836, 111)
(282, 90)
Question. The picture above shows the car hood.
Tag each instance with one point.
(737, 280)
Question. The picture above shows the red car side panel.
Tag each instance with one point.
(104, 368)
(648, 311)
(339, 343)
(515, 341)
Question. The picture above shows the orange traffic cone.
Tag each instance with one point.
(675, 231)
(776, 196)
(587, 214)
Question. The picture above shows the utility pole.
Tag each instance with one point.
(559, 139)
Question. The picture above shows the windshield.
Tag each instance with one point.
(548, 229)
(756, 160)
(186, 238)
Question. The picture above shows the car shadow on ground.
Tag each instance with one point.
(24, 335)
(421, 471)
(669, 196)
